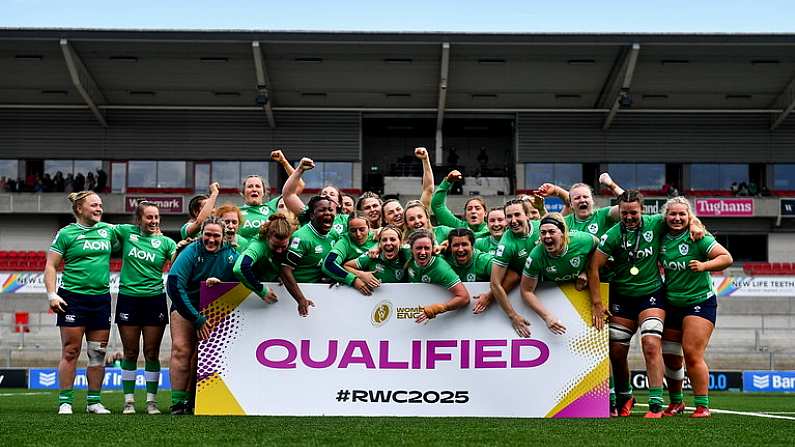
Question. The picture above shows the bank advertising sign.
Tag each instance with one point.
(47, 378)
(769, 381)
(366, 356)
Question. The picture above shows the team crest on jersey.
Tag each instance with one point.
(593, 228)
(264, 210)
(103, 232)
(295, 243)
(318, 249)
(134, 237)
(156, 243)
(684, 249)
(648, 236)
(575, 262)
(425, 279)
(399, 274)
(471, 277)
(500, 250)
(338, 228)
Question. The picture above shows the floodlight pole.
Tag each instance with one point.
(263, 82)
(83, 82)
(442, 100)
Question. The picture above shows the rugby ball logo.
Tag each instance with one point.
(683, 249)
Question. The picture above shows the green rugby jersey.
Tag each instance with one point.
(346, 249)
(446, 217)
(265, 266)
(387, 270)
(440, 233)
(684, 287)
(648, 278)
(307, 250)
(86, 256)
(597, 224)
(143, 257)
(438, 271)
(513, 250)
(183, 231)
(567, 266)
(242, 243)
(256, 215)
(477, 269)
(338, 228)
(487, 244)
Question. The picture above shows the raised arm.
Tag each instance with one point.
(439, 202)
(291, 187)
(427, 176)
(207, 208)
(278, 156)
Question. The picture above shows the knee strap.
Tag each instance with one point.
(96, 353)
(672, 348)
(652, 327)
(620, 334)
(675, 374)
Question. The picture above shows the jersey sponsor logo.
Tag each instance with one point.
(675, 265)
(500, 250)
(103, 232)
(295, 243)
(253, 223)
(134, 237)
(156, 243)
(575, 262)
(471, 277)
(141, 254)
(648, 236)
(684, 249)
(646, 252)
(568, 277)
(593, 228)
(96, 245)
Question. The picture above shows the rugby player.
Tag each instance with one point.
(388, 266)
(357, 241)
(261, 260)
(474, 208)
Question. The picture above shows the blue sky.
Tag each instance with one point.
(409, 15)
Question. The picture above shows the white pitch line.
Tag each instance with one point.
(738, 413)
(21, 394)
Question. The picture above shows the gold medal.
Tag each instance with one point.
(634, 271)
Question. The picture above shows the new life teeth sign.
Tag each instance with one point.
(358, 355)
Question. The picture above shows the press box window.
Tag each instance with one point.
(561, 174)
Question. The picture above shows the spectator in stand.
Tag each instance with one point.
(3, 183)
(483, 159)
(735, 189)
(742, 189)
(669, 190)
(58, 182)
(79, 182)
(38, 186)
(69, 183)
(91, 182)
(30, 182)
(763, 191)
(753, 189)
(48, 183)
(102, 180)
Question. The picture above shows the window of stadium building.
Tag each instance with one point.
(230, 174)
(72, 166)
(9, 169)
(784, 177)
(155, 174)
(561, 174)
(337, 173)
(644, 176)
(715, 176)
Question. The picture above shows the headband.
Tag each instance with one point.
(555, 222)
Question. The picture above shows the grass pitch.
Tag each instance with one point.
(28, 417)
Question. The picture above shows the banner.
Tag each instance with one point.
(650, 206)
(13, 378)
(47, 378)
(553, 204)
(787, 208)
(769, 381)
(33, 282)
(725, 207)
(718, 381)
(366, 356)
(754, 286)
(167, 204)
